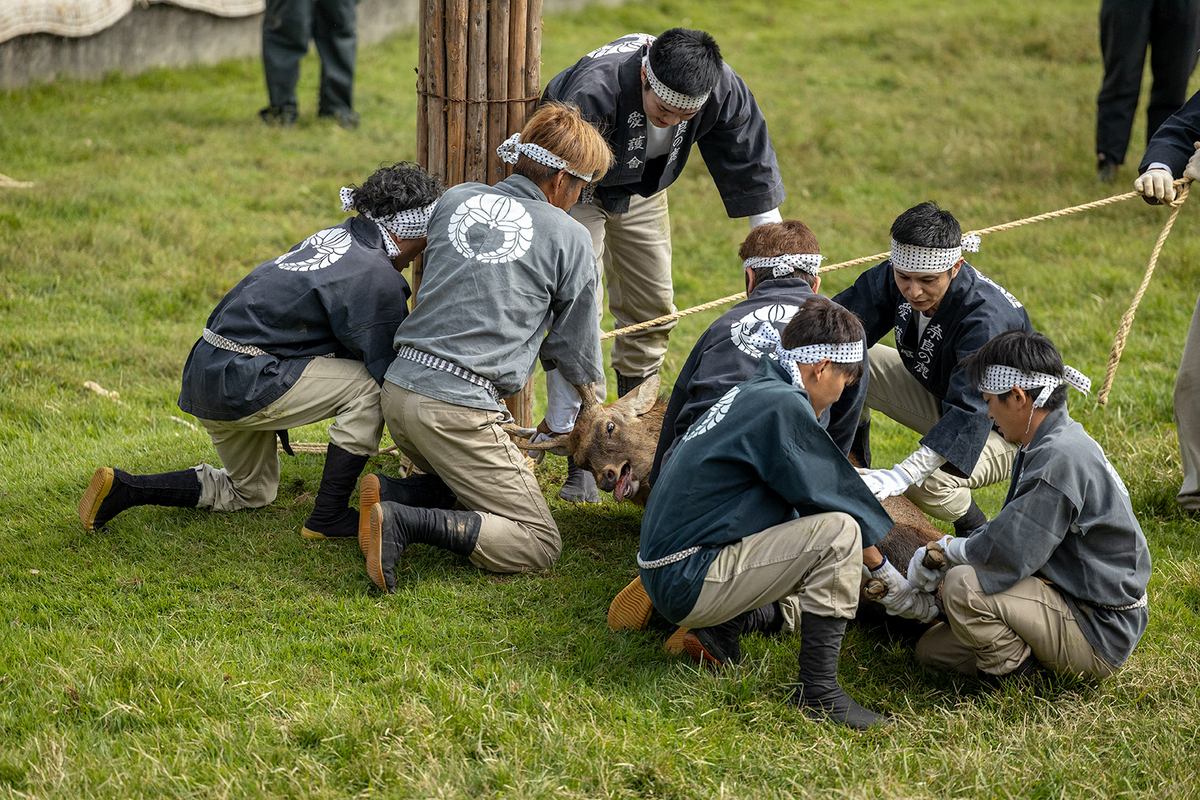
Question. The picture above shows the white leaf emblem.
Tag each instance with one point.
(503, 217)
(317, 251)
(626, 44)
(713, 416)
(741, 330)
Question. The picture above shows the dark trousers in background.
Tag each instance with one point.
(1171, 29)
(288, 25)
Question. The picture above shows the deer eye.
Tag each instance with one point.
(611, 428)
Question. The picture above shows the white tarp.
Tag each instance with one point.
(86, 17)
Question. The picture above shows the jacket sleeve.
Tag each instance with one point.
(364, 316)
(739, 155)
(1172, 142)
(869, 297)
(572, 342)
(679, 398)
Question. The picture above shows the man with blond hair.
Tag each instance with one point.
(509, 277)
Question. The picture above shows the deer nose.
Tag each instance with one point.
(610, 475)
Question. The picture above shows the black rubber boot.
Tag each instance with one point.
(284, 116)
(817, 691)
(112, 491)
(580, 485)
(625, 385)
(971, 521)
(394, 527)
(332, 518)
(860, 448)
(720, 645)
(419, 491)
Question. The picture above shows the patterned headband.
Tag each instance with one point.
(787, 263)
(915, 258)
(999, 378)
(412, 223)
(512, 148)
(767, 339)
(684, 102)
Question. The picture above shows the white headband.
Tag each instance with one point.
(684, 102)
(512, 148)
(787, 263)
(767, 339)
(999, 378)
(915, 258)
(412, 223)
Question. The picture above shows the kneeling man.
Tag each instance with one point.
(758, 522)
(1058, 578)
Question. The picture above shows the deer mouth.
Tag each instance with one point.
(627, 485)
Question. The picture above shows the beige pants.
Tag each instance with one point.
(1187, 414)
(893, 391)
(811, 564)
(340, 388)
(994, 633)
(466, 448)
(633, 257)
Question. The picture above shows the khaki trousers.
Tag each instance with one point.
(466, 448)
(1187, 414)
(811, 564)
(994, 633)
(633, 257)
(894, 392)
(340, 388)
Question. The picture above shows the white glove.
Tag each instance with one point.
(1157, 183)
(885, 483)
(562, 402)
(538, 455)
(922, 577)
(901, 599)
(1193, 166)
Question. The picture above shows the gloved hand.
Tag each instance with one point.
(1193, 166)
(902, 600)
(1157, 184)
(885, 483)
(921, 577)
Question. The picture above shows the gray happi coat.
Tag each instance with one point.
(336, 293)
(503, 269)
(606, 84)
(1068, 519)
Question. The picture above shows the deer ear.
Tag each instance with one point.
(644, 396)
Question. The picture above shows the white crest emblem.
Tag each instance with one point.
(626, 44)
(500, 215)
(317, 251)
(741, 330)
(713, 416)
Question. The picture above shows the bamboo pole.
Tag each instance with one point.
(517, 33)
(456, 89)
(533, 56)
(435, 15)
(497, 86)
(476, 143)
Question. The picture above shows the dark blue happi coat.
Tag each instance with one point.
(974, 310)
(723, 357)
(756, 459)
(730, 129)
(335, 293)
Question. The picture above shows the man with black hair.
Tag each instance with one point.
(1059, 577)
(780, 261)
(304, 337)
(1175, 151)
(941, 310)
(758, 522)
(653, 98)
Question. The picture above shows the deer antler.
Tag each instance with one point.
(587, 394)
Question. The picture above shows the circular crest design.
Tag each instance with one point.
(741, 330)
(318, 251)
(497, 213)
(713, 416)
(626, 44)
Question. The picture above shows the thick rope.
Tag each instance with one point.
(1062, 212)
(322, 447)
(1114, 357)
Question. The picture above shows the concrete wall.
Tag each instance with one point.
(168, 36)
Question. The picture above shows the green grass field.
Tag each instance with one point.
(187, 654)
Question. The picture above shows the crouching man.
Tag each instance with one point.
(759, 523)
(508, 276)
(1058, 578)
(304, 337)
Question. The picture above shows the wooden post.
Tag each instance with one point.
(478, 62)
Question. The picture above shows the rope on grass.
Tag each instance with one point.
(322, 447)
(12, 183)
(1062, 212)
(1114, 357)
